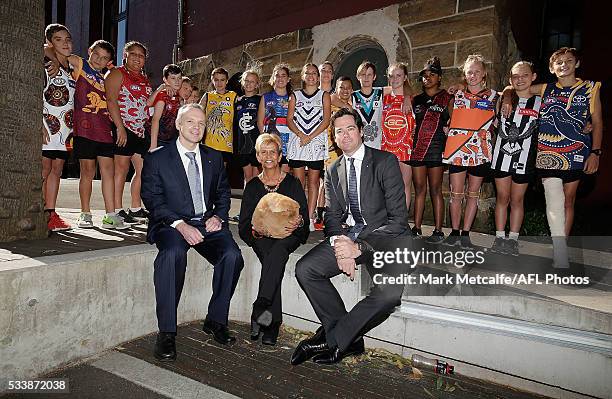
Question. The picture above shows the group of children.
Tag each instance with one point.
(553, 131)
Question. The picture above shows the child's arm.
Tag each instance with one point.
(112, 84)
(592, 163)
(290, 123)
(261, 114)
(157, 113)
(151, 99)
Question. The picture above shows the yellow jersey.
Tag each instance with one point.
(220, 120)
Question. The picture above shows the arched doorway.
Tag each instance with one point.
(351, 52)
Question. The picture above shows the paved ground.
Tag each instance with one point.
(246, 369)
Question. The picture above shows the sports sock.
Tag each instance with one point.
(500, 234)
(454, 232)
(135, 209)
(465, 233)
(513, 236)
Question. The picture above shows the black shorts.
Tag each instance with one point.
(477, 171)
(428, 164)
(55, 154)
(134, 145)
(227, 156)
(567, 176)
(248, 160)
(516, 177)
(315, 165)
(89, 149)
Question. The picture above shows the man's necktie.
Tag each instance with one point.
(354, 202)
(195, 184)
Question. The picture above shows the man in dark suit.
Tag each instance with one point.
(186, 211)
(365, 206)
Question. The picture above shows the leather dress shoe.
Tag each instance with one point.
(310, 347)
(165, 347)
(270, 334)
(219, 332)
(335, 355)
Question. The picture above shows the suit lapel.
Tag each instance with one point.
(365, 178)
(342, 182)
(176, 165)
(206, 171)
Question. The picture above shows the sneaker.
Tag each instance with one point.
(235, 218)
(140, 215)
(312, 226)
(499, 245)
(466, 243)
(127, 219)
(319, 225)
(452, 241)
(85, 221)
(417, 232)
(436, 237)
(56, 223)
(512, 247)
(113, 222)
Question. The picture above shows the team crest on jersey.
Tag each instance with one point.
(228, 99)
(299, 104)
(376, 104)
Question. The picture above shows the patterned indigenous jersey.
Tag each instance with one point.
(133, 95)
(91, 118)
(565, 110)
(220, 120)
(308, 116)
(58, 109)
(397, 128)
(333, 152)
(167, 121)
(370, 110)
(431, 114)
(469, 136)
(515, 147)
(245, 123)
(275, 120)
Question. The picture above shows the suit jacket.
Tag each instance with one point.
(381, 193)
(165, 188)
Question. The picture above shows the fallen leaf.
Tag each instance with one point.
(270, 376)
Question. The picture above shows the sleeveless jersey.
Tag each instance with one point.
(369, 109)
(167, 121)
(91, 118)
(58, 109)
(245, 123)
(397, 128)
(133, 95)
(275, 120)
(431, 115)
(220, 120)
(516, 144)
(333, 152)
(469, 136)
(308, 116)
(565, 110)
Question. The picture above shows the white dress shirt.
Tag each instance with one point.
(182, 150)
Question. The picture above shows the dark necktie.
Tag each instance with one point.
(195, 184)
(353, 198)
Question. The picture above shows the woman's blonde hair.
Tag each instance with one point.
(267, 138)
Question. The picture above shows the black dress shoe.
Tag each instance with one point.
(310, 347)
(165, 347)
(334, 355)
(219, 332)
(270, 334)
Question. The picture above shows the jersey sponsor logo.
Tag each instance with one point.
(299, 104)
(212, 102)
(518, 165)
(483, 104)
(436, 108)
(580, 98)
(528, 111)
(251, 105)
(226, 103)
(578, 158)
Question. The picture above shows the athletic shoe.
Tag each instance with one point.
(452, 241)
(512, 247)
(113, 222)
(417, 232)
(436, 237)
(466, 243)
(319, 225)
(499, 245)
(85, 221)
(140, 215)
(312, 226)
(56, 223)
(235, 218)
(127, 219)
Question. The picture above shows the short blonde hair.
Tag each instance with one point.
(267, 138)
(185, 108)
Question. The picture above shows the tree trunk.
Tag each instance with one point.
(21, 84)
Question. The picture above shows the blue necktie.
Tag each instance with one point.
(195, 184)
(353, 198)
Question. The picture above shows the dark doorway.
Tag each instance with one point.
(374, 54)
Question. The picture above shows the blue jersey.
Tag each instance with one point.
(275, 120)
(245, 124)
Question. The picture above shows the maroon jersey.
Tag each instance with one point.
(91, 118)
(167, 125)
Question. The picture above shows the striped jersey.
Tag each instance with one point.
(516, 145)
(369, 109)
(308, 116)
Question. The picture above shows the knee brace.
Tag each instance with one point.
(555, 205)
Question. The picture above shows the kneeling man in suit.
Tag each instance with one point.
(185, 189)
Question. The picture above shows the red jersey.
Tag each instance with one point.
(135, 90)
(167, 126)
(397, 128)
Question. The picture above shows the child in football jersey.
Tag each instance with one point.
(274, 106)
(398, 126)
(468, 148)
(186, 90)
(367, 101)
(58, 109)
(308, 118)
(219, 107)
(514, 157)
(245, 124)
(162, 125)
(195, 95)
(326, 72)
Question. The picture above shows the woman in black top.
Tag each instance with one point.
(273, 253)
